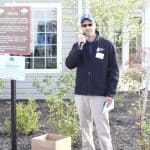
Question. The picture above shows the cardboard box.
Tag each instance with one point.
(51, 142)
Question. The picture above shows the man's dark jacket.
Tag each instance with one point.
(94, 76)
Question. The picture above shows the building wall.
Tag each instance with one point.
(69, 34)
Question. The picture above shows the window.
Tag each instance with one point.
(45, 38)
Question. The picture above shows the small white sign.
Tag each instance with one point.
(100, 56)
(12, 67)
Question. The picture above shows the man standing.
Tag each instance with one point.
(96, 81)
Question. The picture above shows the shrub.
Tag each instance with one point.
(6, 129)
(2, 85)
(144, 139)
(130, 81)
(63, 115)
(119, 100)
(27, 118)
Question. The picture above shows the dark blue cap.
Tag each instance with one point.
(87, 16)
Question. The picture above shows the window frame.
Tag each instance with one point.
(59, 34)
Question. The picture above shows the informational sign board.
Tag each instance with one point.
(12, 67)
(15, 30)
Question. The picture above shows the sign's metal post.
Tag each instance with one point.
(13, 115)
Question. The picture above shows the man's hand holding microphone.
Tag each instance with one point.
(82, 40)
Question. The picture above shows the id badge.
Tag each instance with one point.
(100, 56)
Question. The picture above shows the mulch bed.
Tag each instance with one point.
(124, 129)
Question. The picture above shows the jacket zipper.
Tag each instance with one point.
(89, 74)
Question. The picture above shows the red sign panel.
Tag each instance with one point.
(15, 30)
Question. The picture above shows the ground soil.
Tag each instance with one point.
(124, 128)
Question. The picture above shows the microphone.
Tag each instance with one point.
(81, 45)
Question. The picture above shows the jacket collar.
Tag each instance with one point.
(97, 36)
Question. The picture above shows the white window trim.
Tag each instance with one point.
(59, 33)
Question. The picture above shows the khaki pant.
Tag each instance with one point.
(89, 109)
